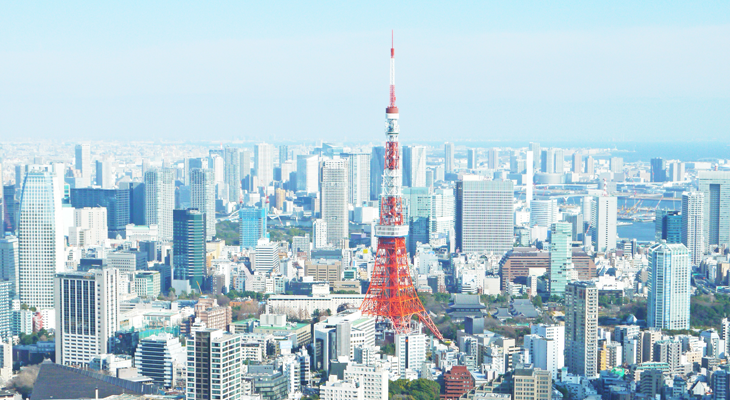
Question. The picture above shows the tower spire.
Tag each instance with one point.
(391, 295)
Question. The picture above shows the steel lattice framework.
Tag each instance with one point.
(391, 295)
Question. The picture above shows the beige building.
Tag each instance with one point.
(532, 384)
(213, 315)
(324, 270)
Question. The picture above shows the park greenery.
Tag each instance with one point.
(419, 389)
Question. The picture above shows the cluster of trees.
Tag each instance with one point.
(419, 389)
(606, 301)
(228, 231)
(234, 294)
(708, 313)
(33, 338)
(280, 234)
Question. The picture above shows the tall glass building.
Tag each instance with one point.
(159, 187)
(202, 197)
(484, 215)
(693, 232)
(116, 202)
(40, 236)
(561, 257)
(252, 222)
(188, 246)
(669, 286)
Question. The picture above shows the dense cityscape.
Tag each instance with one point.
(387, 267)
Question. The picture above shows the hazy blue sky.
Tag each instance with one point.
(290, 70)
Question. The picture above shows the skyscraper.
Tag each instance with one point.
(83, 164)
(334, 201)
(40, 236)
(658, 170)
(377, 165)
(9, 261)
(603, 223)
(159, 185)
(715, 186)
(245, 175)
(581, 328)
(118, 204)
(208, 349)
(449, 157)
(188, 246)
(10, 208)
(544, 213)
(191, 164)
(484, 215)
(414, 166)
(669, 286)
(87, 314)
(590, 166)
(493, 158)
(536, 154)
(252, 226)
(232, 172)
(693, 232)
(471, 159)
(561, 257)
(308, 173)
(283, 154)
(202, 197)
(319, 234)
(263, 159)
(616, 164)
(577, 163)
(104, 176)
(359, 177)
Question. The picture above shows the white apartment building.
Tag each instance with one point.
(410, 352)
(90, 227)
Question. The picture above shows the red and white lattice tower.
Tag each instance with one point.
(391, 295)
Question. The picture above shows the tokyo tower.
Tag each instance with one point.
(391, 295)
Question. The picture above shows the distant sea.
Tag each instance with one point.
(629, 151)
(641, 231)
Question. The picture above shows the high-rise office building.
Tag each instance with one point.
(590, 166)
(191, 164)
(547, 161)
(577, 163)
(658, 170)
(157, 358)
(471, 159)
(252, 226)
(232, 172)
(245, 175)
(544, 213)
(616, 164)
(675, 171)
(83, 164)
(561, 257)
(334, 201)
(202, 197)
(87, 314)
(377, 165)
(207, 378)
(10, 209)
(603, 223)
(266, 258)
(693, 232)
(9, 261)
(484, 215)
(715, 186)
(104, 176)
(40, 237)
(581, 328)
(263, 160)
(546, 344)
(116, 201)
(308, 173)
(283, 154)
(359, 177)
(159, 186)
(449, 163)
(669, 286)
(536, 154)
(188, 246)
(493, 162)
(414, 166)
